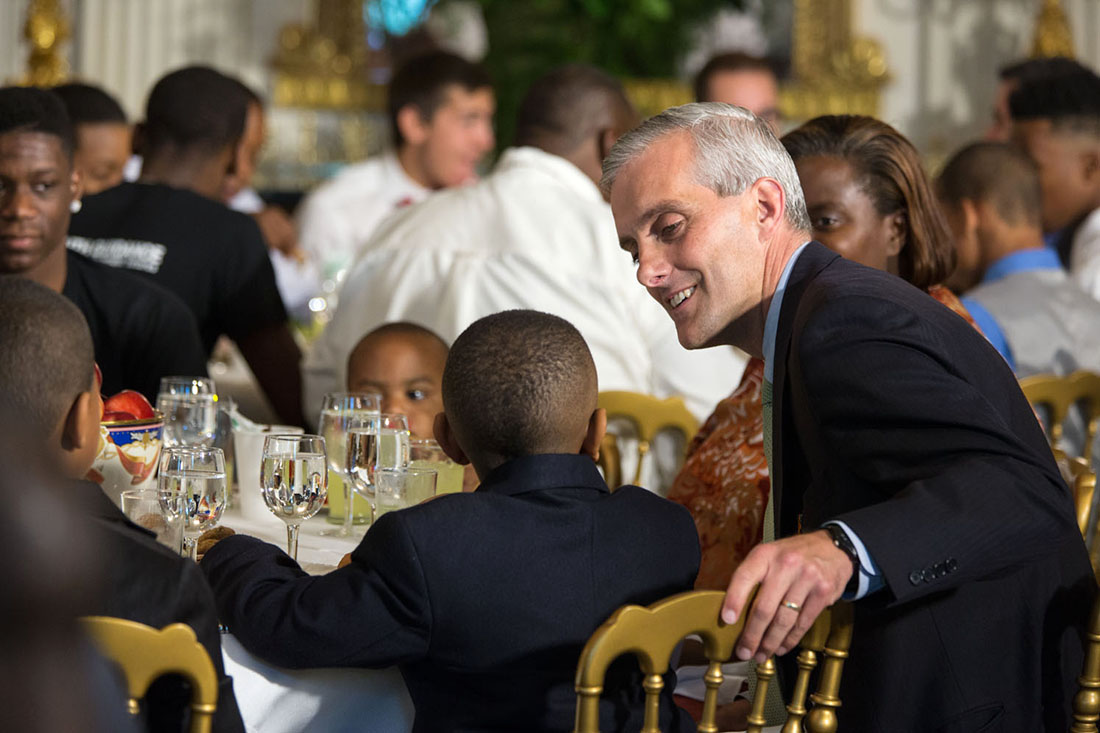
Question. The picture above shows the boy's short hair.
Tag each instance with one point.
(423, 80)
(519, 383)
(30, 109)
(89, 105)
(1070, 101)
(46, 354)
(195, 107)
(400, 328)
(997, 173)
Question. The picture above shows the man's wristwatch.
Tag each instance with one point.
(844, 544)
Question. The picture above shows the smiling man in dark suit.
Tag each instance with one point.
(908, 471)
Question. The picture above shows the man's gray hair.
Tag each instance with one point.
(734, 149)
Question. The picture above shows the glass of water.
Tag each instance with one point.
(384, 444)
(294, 481)
(144, 508)
(190, 409)
(397, 488)
(191, 482)
(341, 411)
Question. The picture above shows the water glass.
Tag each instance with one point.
(144, 508)
(397, 488)
(191, 485)
(426, 453)
(294, 481)
(339, 412)
(393, 441)
(383, 444)
(190, 409)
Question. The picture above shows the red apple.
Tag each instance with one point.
(116, 416)
(132, 402)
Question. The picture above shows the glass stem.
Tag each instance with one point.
(349, 499)
(190, 547)
(292, 541)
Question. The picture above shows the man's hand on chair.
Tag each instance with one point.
(799, 577)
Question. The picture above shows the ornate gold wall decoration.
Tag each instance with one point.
(1052, 35)
(651, 96)
(46, 29)
(328, 65)
(834, 71)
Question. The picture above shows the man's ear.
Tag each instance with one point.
(412, 125)
(445, 436)
(1090, 165)
(769, 201)
(897, 232)
(597, 426)
(970, 214)
(76, 184)
(605, 139)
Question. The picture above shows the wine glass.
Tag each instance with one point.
(383, 444)
(191, 482)
(339, 412)
(190, 409)
(294, 481)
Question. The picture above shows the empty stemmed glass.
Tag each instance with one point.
(191, 482)
(294, 481)
(341, 411)
(382, 445)
(190, 409)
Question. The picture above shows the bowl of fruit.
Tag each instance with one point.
(130, 438)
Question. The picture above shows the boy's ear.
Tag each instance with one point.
(80, 434)
(413, 126)
(445, 436)
(597, 426)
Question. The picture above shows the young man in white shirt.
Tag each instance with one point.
(441, 116)
(535, 233)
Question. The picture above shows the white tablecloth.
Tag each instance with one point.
(276, 700)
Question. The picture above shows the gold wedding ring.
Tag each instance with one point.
(792, 605)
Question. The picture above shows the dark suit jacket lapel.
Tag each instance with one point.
(812, 260)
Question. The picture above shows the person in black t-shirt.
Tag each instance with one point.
(171, 227)
(141, 332)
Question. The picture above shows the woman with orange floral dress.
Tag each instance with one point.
(870, 200)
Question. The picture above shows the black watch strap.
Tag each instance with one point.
(844, 544)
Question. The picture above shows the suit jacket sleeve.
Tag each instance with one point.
(945, 470)
(372, 613)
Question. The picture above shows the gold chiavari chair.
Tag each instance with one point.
(1082, 482)
(652, 633)
(648, 416)
(1059, 394)
(145, 654)
(1086, 703)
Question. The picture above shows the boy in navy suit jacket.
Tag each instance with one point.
(484, 600)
